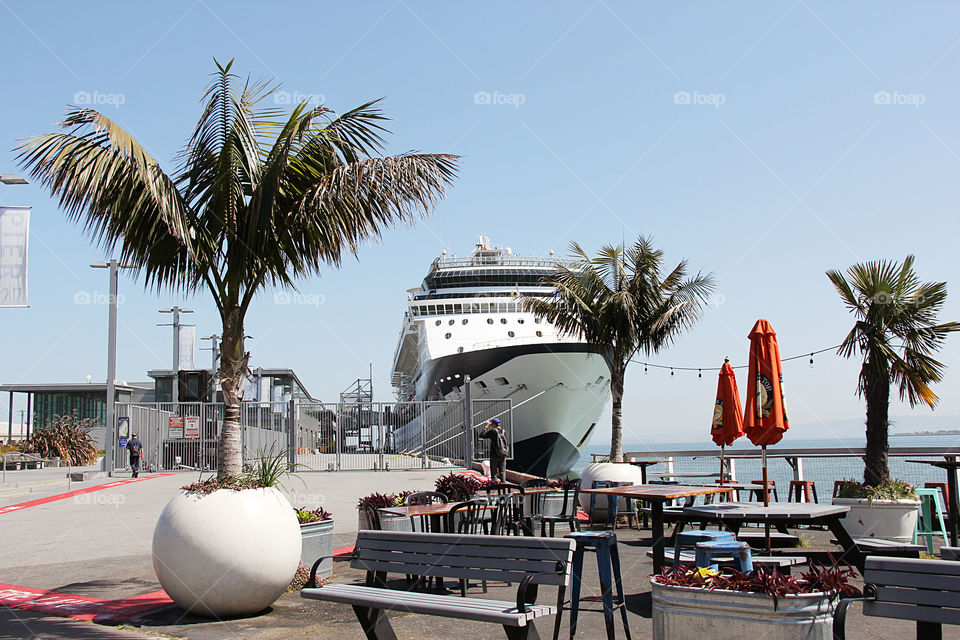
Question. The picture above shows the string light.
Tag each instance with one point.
(700, 370)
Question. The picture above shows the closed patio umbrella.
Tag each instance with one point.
(727, 423)
(765, 413)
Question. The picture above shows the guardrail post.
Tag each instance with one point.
(731, 469)
(467, 424)
(292, 432)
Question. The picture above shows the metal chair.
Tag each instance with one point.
(373, 516)
(931, 515)
(421, 498)
(568, 513)
(466, 517)
(613, 503)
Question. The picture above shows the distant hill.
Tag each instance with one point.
(941, 432)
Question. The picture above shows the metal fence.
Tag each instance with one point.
(319, 436)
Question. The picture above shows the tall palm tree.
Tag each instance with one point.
(258, 197)
(621, 301)
(895, 333)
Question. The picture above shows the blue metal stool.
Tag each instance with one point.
(689, 540)
(604, 543)
(707, 551)
(931, 512)
(613, 503)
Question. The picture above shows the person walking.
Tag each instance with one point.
(135, 447)
(499, 449)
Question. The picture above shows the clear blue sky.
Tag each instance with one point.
(748, 138)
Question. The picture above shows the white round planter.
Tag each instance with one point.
(689, 613)
(614, 471)
(887, 519)
(228, 553)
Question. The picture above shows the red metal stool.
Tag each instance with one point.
(838, 486)
(757, 492)
(808, 487)
(944, 490)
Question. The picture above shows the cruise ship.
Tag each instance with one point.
(467, 318)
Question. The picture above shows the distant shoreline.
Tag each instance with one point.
(942, 432)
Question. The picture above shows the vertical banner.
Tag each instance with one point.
(14, 231)
(188, 333)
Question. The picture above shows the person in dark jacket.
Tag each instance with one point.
(135, 447)
(499, 449)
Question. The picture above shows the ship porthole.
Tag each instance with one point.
(510, 333)
(519, 320)
(539, 334)
(438, 323)
(464, 321)
(459, 349)
(451, 321)
(489, 320)
(503, 321)
(447, 336)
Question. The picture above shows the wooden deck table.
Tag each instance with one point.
(951, 464)
(656, 495)
(781, 515)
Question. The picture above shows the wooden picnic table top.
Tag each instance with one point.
(658, 491)
(664, 474)
(436, 509)
(756, 512)
(943, 464)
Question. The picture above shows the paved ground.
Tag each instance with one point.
(98, 545)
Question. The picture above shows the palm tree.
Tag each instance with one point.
(896, 332)
(258, 197)
(620, 301)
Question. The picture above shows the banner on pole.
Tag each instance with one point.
(188, 333)
(14, 233)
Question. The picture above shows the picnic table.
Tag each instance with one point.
(435, 512)
(780, 515)
(951, 464)
(656, 495)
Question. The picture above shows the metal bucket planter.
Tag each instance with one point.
(551, 504)
(886, 519)
(689, 613)
(387, 522)
(317, 540)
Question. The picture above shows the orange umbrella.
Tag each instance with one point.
(765, 415)
(727, 416)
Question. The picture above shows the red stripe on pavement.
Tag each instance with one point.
(78, 492)
(68, 605)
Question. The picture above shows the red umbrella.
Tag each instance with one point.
(727, 415)
(765, 414)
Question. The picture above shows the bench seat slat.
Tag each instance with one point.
(941, 567)
(368, 557)
(453, 572)
(928, 597)
(916, 580)
(501, 542)
(480, 610)
(911, 612)
(530, 551)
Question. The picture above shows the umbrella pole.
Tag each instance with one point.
(766, 495)
(721, 465)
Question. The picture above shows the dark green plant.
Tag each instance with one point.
(622, 303)
(259, 198)
(271, 467)
(66, 437)
(381, 500)
(895, 333)
(305, 515)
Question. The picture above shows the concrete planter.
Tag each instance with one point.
(689, 613)
(616, 471)
(387, 522)
(886, 519)
(228, 553)
(317, 539)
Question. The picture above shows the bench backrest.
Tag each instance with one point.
(913, 589)
(502, 558)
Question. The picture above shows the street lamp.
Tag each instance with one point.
(9, 178)
(176, 311)
(109, 438)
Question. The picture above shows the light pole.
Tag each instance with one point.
(214, 339)
(110, 434)
(176, 311)
(10, 178)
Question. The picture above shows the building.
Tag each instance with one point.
(198, 385)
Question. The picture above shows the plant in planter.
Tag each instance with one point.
(460, 486)
(379, 501)
(229, 546)
(887, 511)
(316, 534)
(691, 603)
(66, 437)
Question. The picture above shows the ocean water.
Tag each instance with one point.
(823, 471)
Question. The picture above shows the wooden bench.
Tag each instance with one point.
(528, 561)
(889, 548)
(927, 591)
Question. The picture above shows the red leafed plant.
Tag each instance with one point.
(832, 579)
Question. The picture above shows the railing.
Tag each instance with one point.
(496, 261)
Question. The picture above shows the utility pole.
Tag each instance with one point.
(176, 311)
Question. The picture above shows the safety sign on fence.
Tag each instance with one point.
(175, 427)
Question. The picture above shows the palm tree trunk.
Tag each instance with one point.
(233, 370)
(877, 392)
(616, 427)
